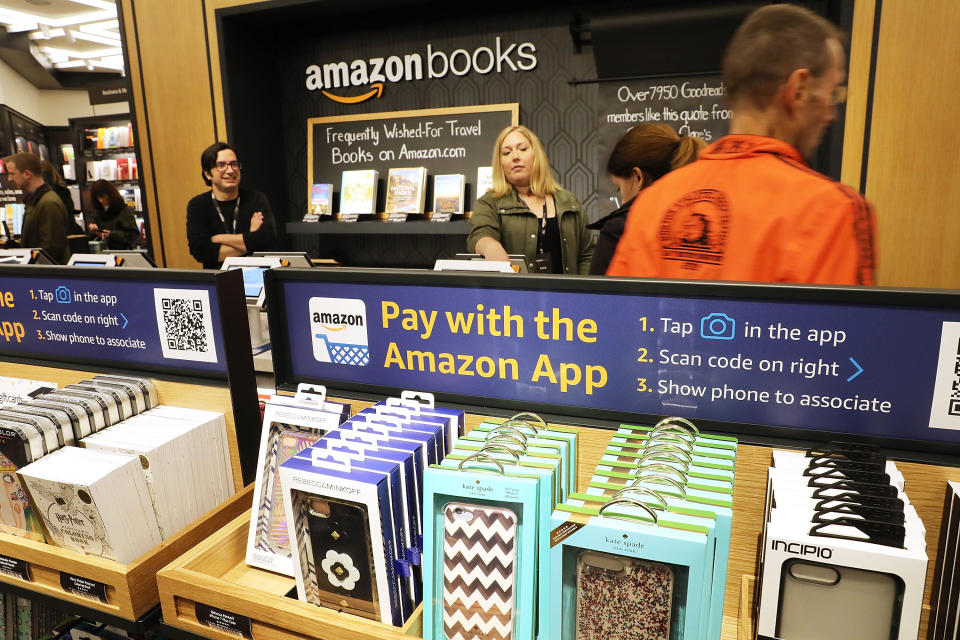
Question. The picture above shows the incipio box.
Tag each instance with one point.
(864, 589)
(480, 555)
(858, 585)
(339, 517)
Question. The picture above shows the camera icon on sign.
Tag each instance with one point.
(717, 326)
(62, 295)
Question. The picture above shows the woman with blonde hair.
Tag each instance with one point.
(527, 212)
(642, 155)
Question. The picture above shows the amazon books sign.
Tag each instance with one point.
(340, 80)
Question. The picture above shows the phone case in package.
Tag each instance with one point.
(283, 442)
(479, 571)
(623, 598)
(336, 554)
(847, 603)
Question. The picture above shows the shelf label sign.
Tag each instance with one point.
(15, 567)
(84, 587)
(131, 322)
(862, 369)
(221, 620)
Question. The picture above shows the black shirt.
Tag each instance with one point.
(203, 222)
(550, 243)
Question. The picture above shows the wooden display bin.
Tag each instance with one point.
(215, 573)
(131, 589)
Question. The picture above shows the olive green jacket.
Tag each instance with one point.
(45, 223)
(509, 221)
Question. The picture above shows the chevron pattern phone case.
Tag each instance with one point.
(479, 568)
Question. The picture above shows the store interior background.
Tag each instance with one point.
(233, 69)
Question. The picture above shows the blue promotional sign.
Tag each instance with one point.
(149, 320)
(875, 363)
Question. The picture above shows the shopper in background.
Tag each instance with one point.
(227, 220)
(112, 221)
(750, 208)
(45, 217)
(527, 212)
(642, 155)
(55, 181)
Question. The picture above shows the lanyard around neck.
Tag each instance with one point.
(236, 210)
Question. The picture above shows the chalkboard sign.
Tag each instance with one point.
(692, 105)
(453, 140)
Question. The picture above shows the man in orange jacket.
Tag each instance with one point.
(750, 208)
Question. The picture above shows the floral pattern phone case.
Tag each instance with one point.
(622, 598)
(335, 551)
(479, 571)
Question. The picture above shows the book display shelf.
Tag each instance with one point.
(128, 595)
(214, 573)
(107, 150)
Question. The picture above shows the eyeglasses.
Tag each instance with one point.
(222, 166)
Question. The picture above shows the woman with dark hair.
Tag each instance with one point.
(53, 179)
(112, 221)
(642, 155)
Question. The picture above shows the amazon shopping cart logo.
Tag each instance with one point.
(338, 328)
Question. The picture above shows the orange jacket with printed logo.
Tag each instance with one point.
(749, 209)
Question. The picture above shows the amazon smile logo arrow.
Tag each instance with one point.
(377, 91)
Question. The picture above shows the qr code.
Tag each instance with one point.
(945, 404)
(183, 321)
(184, 324)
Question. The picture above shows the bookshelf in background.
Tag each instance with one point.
(106, 149)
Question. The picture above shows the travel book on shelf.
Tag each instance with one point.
(321, 199)
(358, 191)
(448, 194)
(484, 180)
(406, 190)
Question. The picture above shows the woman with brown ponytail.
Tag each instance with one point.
(642, 155)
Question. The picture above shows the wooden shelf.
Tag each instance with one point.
(215, 573)
(131, 588)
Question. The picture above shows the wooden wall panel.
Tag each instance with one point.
(858, 82)
(171, 87)
(914, 156)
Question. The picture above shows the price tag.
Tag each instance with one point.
(441, 217)
(240, 626)
(15, 567)
(349, 217)
(83, 587)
